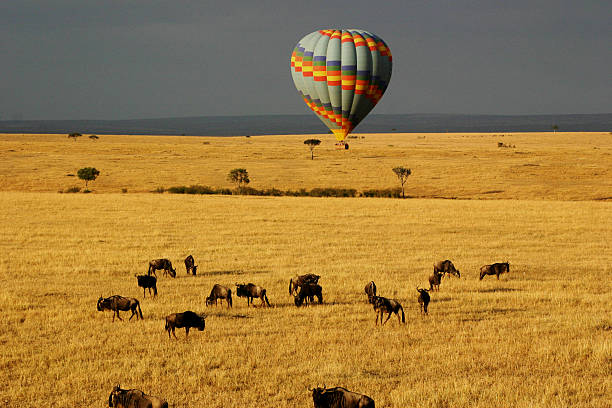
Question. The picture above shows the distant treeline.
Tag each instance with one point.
(309, 124)
(315, 192)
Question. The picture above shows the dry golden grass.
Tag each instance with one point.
(561, 166)
(538, 337)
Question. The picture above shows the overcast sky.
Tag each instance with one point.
(106, 59)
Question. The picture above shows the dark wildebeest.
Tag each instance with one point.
(446, 268)
(423, 299)
(339, 397)
(190, 265)
(219, 292)
(434, 281)
(187, 320)
(383, 305)
(308, 291)
(251, 291)
(119, 398)
(298, 281)
(165, 264)
(117, 303)
(370, 290)
(147, 282)
(494, 269)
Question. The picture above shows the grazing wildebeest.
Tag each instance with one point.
(119, 398)
(251, 291)
(423, 299)
(165, 264)
(190, 265)
(297, 282)
(494, 269)
(339, 397)
(434, 281)
(383, 305)
(308, 291)
(147, 282)
(117, 303)
(187, 320)
(370, 290)
(446, 268)
(219, 292)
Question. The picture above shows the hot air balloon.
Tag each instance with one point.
(341, 75)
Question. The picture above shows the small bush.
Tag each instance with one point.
(333, 192)
(385, 193)
(159, 190)
(72, 190)
(86, 191)
(124, 190)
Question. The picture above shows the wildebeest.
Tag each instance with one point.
(117, 303)
(370, 290)
(423, 299)
(494, 269)
(297, 282)
(147, 282)
(190, 265)
(446, 268)
(434, 281)
(383, 305)
(307, 292)
(251, 291)
(119, 398)
(340, 397)
(219, 292)
(165, 264)
(187, 320)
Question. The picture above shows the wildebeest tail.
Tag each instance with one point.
(266, 297)
(290, 284)
(229, 297)
(139, 310)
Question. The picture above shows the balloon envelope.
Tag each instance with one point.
(341, 74)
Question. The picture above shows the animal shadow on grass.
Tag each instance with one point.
(494, 290)
(232, 272)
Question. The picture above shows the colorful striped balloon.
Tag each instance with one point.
(341, 74)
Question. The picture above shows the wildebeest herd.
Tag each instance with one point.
(303, 288)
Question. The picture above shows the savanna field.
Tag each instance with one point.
(541, 336)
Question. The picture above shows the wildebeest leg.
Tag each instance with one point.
(133, 308)
(117, 312)
(388, 316)
(186, 331)
(173, 333)
(497, 275)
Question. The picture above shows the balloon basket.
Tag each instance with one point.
(342, 146)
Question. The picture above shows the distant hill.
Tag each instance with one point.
(309, 124)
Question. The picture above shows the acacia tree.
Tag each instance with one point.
(74, 135)
(239, 177)
(88, 174)
(312, 143)
(402, 174)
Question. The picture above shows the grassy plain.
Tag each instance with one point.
(539, 337)
(561, 166)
